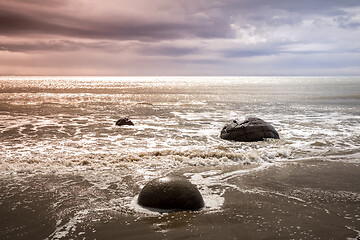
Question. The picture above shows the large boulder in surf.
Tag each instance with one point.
(172, 192)
(124, 121)
(251, 130)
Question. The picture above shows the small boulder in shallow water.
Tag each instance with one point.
(171, 193)
(251, 130)
(124, 121)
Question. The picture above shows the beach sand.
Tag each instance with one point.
(290, 200)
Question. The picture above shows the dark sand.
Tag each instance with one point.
(294, 200)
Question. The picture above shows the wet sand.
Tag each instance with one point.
(293, 200)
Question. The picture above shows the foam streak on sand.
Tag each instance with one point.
(63, 230)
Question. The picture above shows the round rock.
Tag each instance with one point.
(251, 130)
(171, 193)
(124, 121)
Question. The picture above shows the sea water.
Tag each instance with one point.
(59, 139)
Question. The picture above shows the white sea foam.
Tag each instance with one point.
(68, 124)
(356, 231)
(63, 229)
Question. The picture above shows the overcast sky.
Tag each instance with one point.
(180, 37)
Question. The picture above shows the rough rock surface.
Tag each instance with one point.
(251, 130)
(171, 193)
(124, 121)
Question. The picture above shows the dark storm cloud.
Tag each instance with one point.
(219, 16)
(17, 24)
(58, 45)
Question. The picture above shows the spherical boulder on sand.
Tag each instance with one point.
(124, 121)
(171, 193)
(251, 130)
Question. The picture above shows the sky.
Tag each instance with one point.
(180, 37)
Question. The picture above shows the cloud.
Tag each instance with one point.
(46, 46)
(38, 46)
(18, 23)
(141, 26)
(305, 7)
(168, 51)
(178, 37)
(351, 21)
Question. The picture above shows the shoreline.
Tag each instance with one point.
(308, 199)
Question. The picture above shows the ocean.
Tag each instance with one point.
(68, 172)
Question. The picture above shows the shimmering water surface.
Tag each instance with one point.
(64, 163)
